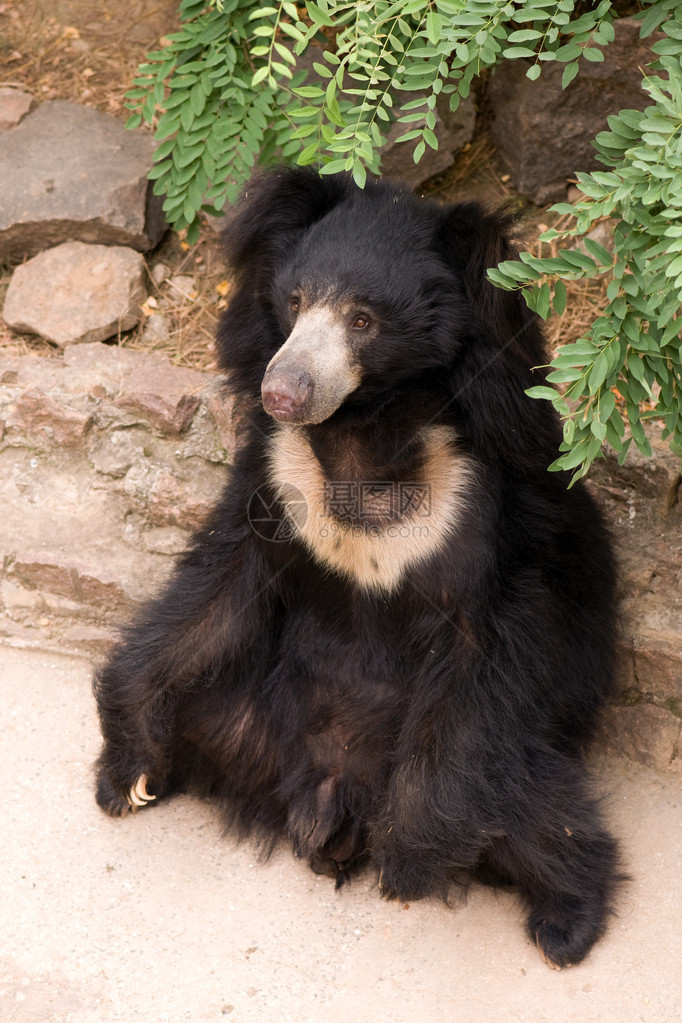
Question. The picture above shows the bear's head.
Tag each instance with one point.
(342, 293)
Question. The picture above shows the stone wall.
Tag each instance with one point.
(108, 459)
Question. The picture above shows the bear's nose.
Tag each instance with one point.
(285, 395)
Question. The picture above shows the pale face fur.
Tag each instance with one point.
(376, 555)
(317, 350)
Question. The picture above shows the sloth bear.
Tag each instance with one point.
(391, 640)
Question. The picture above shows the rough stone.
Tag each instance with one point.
(15, 104)
(182, 287)
(89, 638)
(69, 578)
(77, 293)
(644, 733)
(115, 452)
(160, 273)
(144, 385)
(69, 172)
(228, 414)
(41, 418)
(169, 416)
(544, 133)
(453, 130)
(155, 329)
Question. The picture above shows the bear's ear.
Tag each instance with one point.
(274, 208)
(504, 351)
(471, 240)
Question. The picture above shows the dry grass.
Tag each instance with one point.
(191, 317)
(475, 174)
(82, 50)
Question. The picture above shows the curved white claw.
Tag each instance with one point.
(138, 795)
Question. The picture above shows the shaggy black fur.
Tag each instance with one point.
(435, 729)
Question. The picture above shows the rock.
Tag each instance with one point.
(40, 418)
(636, 498)
(77, 293)
(14, 105)
(173, 502)
(182, 287)
(168, 416)
(115, 452)
(70, 578)
(156, 329)
(145, 385)
(228, 415)
(544, 133)
(96, 498)
(72, 173)
(92, 639)
(646, 734)
(453, 130)
(160, 273)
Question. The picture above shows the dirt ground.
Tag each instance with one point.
(160, 918)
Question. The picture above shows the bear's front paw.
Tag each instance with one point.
(117, 804)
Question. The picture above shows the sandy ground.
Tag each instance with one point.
(159, 918)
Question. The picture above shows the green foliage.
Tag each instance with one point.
(634, 347)
(227, 92)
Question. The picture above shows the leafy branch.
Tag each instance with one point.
(628, 368)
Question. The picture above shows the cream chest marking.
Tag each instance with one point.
(374, 550)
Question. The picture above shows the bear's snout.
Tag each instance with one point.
(314, 370)
(286, 393)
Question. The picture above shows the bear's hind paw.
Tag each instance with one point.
(138, 796)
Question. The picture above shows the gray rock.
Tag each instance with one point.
(70, 172)
(77, 292)
(156, 329)
(160, 273)
(453, 130)
(182, 287)
(544, 133)
(14, 105)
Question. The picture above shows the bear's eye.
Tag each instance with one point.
(360, 322)
(295, 303)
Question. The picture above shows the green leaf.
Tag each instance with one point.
(517, 52)
(559, 298)
(309, 92)
(542, 392)
(434, 27)
(359, 174)
(570, 71)
(601, 254)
